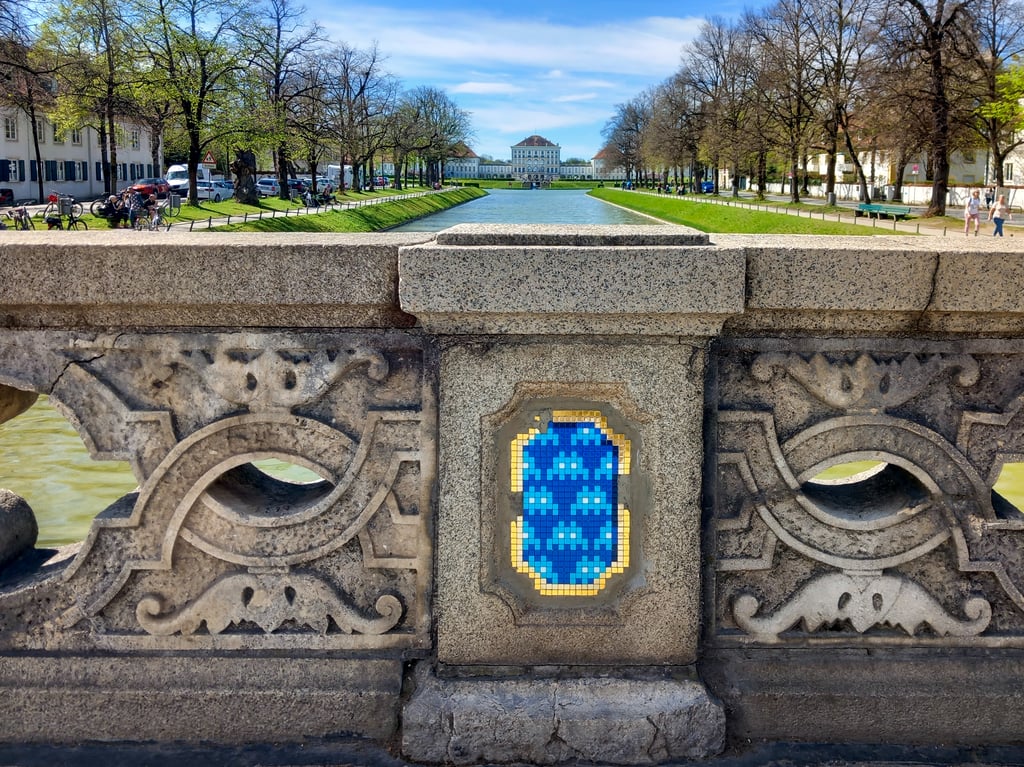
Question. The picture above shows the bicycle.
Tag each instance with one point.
(74, 222)
(22, 218)
(171, 206)
(151, 219)
(53, 205)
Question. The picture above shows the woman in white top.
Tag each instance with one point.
(972, 212)
(998, 213)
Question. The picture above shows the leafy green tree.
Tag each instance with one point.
(88, 39)
(192, 57)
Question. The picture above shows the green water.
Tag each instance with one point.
(42, 459)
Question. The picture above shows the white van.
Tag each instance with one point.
(177, 177)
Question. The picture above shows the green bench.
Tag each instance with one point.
(877, 210)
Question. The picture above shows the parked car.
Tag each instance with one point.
(214, 190)
(707, 186)
(268, 187)
(297, 185)
(6, 196)
(148, 186)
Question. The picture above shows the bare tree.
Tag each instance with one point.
(719, 70)
(278, 45)
(429, 124)
(789, 50)
(929, 30)
(846, 51)
(362, 95)
(624, 134)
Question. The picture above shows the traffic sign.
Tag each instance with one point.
(209, 159)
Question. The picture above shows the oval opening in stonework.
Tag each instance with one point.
(874, 492)
(249, 492)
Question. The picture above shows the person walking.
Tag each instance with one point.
(972, 212)
(998, 213)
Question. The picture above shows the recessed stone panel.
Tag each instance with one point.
(643, 400)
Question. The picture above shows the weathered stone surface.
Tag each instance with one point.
(878, 285)
(533, 280)
(578, 236)
(167, 698)
(548, 721)
(486, 613)
(212, 552)
(18, 527)
(174, 279)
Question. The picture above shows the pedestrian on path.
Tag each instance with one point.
(972, 212)
(998, 213)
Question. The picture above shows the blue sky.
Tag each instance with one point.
(555, 68)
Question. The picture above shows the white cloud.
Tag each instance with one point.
(518, 75)
(432, 40)
(571, 97)
(481, 88)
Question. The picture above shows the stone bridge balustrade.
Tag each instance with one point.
(568, 503)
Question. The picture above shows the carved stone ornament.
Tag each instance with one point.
(866, 384)
(864, 601)
(268, 600)
(912, 542)
(214, 547)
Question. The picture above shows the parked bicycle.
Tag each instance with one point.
(21, 217)
(53, 205)
(56, 220)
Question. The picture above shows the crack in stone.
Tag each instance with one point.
(931, 292)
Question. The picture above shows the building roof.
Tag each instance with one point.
(535, 140)
(462, 152)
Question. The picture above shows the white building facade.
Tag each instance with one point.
(536, 159)
(70, 162)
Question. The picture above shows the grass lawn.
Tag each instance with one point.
(710, 217)
(206, 209)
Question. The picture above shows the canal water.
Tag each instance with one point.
(529, 206)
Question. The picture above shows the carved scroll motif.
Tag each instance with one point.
(863, 602)
(867, 384)
(269, 601)
(888, 547)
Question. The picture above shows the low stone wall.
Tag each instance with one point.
(569, 504)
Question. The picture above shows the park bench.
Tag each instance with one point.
(878, 210)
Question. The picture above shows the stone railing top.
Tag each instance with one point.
(657, 280)
(168, 279)
(574, 236)
(519, 279)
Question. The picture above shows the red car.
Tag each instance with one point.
(148, 186)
